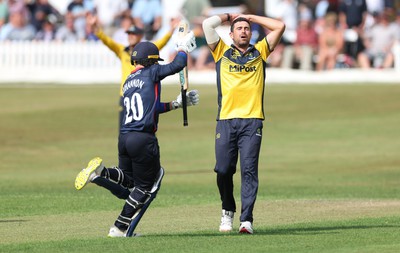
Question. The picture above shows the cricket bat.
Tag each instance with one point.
(183, 29)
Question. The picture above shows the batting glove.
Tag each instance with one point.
(192, 98)
(187, 43)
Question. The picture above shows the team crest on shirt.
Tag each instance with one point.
(235, 54)
(251, 56)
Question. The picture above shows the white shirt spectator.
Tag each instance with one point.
(147, 10)
(108, 10)
(288, 14)
(17, 28)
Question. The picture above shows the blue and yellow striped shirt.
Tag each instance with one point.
(240, 80)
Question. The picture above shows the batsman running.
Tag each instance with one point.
(139, 173)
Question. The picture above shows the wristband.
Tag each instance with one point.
(229, 17)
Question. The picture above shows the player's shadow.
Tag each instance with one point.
(283, 231)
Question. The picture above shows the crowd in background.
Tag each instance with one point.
(320, 34)
(338, 33)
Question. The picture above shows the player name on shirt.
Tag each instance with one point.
(137, 83)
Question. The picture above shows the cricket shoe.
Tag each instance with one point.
(246, 227)
(116, 232)
(226, 221)
(94, 168)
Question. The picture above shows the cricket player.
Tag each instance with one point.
(123, 52)
(135, 35)
(138, 150)
(241, 74)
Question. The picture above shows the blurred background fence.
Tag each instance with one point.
(92, 62)
(78, 62)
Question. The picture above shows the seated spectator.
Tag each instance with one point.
(320, 11)
(3, 12)
(42, 11)
(90, 34)
(17, 28)
(200, 58)
(77, 9)
(304, 47)
(47, 32)
(111, 13)
(67, 31)
(18, 6)
(379, 41)
(330, 43)
(286, 11)
(352, 16)
(147, 15)
(120, 36)
(288, 14)
(196, 11)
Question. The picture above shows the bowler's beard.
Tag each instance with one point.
(243, 44)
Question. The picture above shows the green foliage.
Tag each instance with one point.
(329, 172)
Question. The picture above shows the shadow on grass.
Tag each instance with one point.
(282, 231)
(321, 230)
(10, 221)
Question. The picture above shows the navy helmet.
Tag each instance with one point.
(145, 52)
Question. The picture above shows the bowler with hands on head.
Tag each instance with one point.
(241, 74)
(139, 169)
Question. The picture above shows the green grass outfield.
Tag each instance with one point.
(329, 172)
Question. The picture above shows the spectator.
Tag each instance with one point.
(3, 12)
(196, 11)
(67, 31)
(120, 36)
(110, 13)
(77, 10)
(330, 43)
(147, 15)
(321, 9)
(89, 6)
(379, 42)
(18, 6)
(352, 15)
(47, 32)
(305, 45)
(17, 28)
(90, 33)
(287, 13)
(41, 11)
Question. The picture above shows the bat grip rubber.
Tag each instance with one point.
(184, 107)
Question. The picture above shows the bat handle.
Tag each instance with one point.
(184, 107)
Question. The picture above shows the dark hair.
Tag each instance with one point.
(239, 20)
(145, 62)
